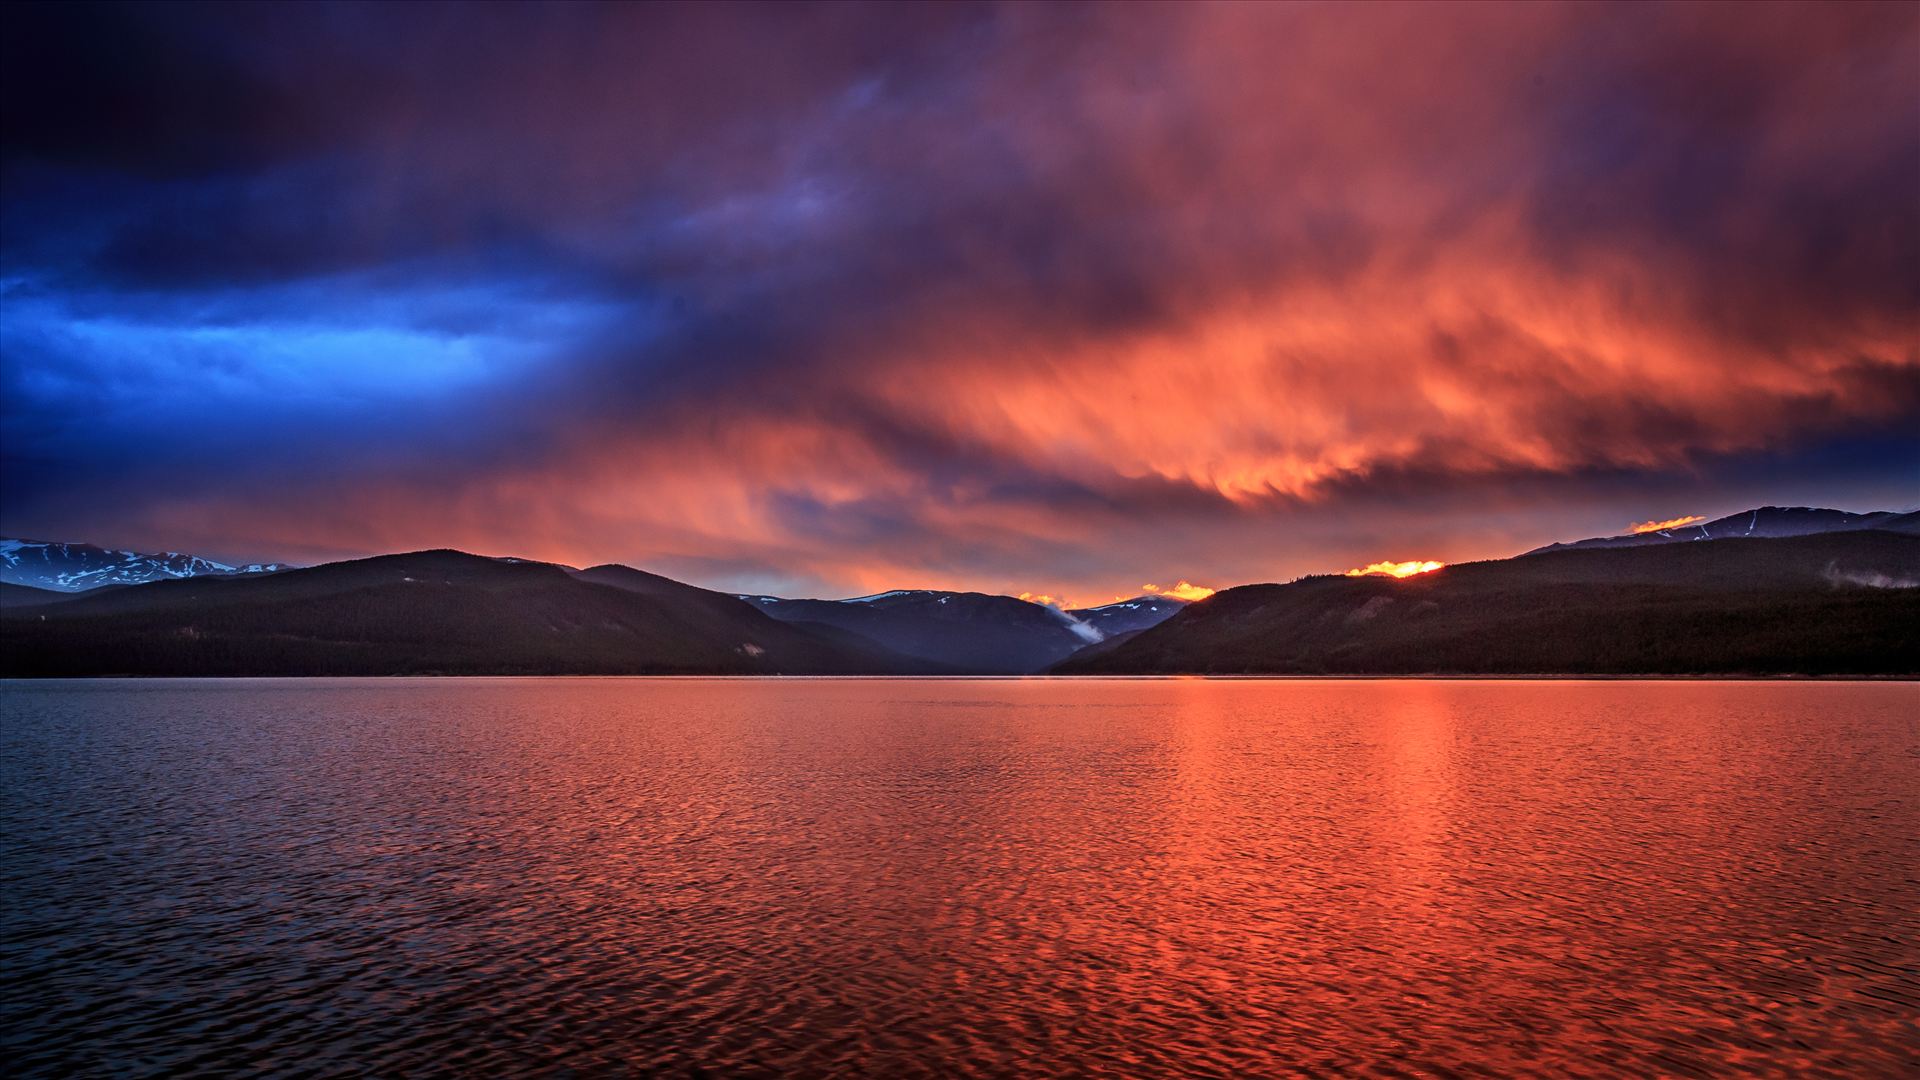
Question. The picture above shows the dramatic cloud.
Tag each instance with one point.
(1185, 590)
(1396, 569)
(1047, 298)
(1662, 526)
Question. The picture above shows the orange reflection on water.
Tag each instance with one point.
(970, 876)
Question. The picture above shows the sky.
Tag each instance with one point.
(1060, 299)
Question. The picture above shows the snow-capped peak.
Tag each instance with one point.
(68, 567)
(884, 595)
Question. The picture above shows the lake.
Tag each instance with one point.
(959, 877)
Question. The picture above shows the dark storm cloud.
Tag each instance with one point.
(1001, 295)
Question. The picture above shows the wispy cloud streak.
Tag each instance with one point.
(838, 298)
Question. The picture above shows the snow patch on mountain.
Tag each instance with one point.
(1870, 579)
(882, 596)
(69, 567)
(1140, 603)
(1762, 521)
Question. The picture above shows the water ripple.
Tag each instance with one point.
(959, 878)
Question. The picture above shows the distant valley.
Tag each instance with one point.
(974, 632)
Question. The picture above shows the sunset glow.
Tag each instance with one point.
(1661, 526)
(1395, 569)
(1184, 591)
(921, 301)
(574, 537)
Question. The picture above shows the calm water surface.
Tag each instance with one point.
(960, 877)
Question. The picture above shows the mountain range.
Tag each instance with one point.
(1841, 603)
(426, 612)
(1773, 590)
(1764, 521)
(77, 567)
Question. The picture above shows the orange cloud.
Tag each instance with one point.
(1186, 590)
(1661, 526)
(1272, 282)
(1396, 569)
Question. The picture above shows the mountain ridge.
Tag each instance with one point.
(426, 612)
(1839, 604)
(1746, 603)
(64, 566)
(1767, 522)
